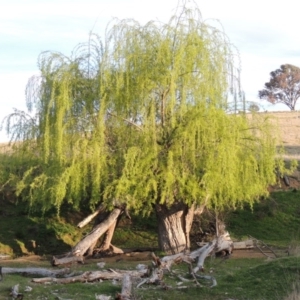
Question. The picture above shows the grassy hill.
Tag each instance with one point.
(275, 220)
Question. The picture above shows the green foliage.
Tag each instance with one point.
(140, 118)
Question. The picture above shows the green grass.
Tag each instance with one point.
(275, 220)
(243, 279)
(24, 233)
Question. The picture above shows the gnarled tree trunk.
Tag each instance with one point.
(174, 225)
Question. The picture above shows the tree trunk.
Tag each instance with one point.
(105, 245)
(82, 247)
(90, 251)
(96, 233)
(174, 225)
(126, 289)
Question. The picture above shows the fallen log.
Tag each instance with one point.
(83, 245)
(4, 256)
(91, 276)
(102, 297)
(65, 260)
(15, 292)
(126, 289)
(205, 251)
(248, 244)
(36, 271)
(222, 243)
(154, 274)
(90, 217)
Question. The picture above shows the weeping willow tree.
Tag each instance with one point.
(139, 120)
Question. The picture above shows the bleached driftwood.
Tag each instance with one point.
(102, 297)
(4, 256)
(154, 274)
(82, 246)
(36, 271)
(90, 217)
(223, 242)
(68, 259)
(248, 244)
(15, 292)
(126, 289)
(203, 253)
(91, 276)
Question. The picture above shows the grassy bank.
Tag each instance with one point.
(275, 220)
(243, 279)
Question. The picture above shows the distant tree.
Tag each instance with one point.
(253, 107)
(283, 87)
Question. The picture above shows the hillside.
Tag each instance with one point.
(289, 125)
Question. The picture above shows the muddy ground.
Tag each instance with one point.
(139, 257)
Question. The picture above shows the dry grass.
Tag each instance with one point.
(5, 148)
(288, 123)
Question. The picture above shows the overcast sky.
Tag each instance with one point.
(264, 32)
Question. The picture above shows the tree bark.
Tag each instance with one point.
(174, 225)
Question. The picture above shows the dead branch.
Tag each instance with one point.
(206, 251)
(36, 271)
(83, 245)
(257, 242)
(92, 276)
(208, 277)
(248, 244)
(65, 260)
(102, 297)
(126, 289)
(90, 217)
(15, 292)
